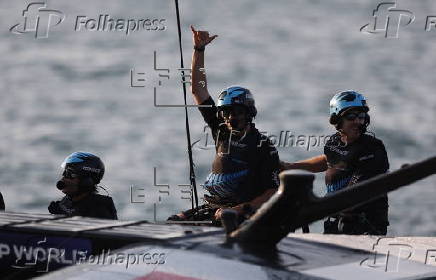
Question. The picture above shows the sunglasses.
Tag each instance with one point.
(69, 174)
(353, 116)
(234, 111)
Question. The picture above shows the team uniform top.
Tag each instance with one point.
(243, 168)
(93, 205)
(356, 162)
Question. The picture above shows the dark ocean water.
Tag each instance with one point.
(72, 91)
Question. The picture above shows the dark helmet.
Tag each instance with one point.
(87, 166)
(344, 101)
(236, 95)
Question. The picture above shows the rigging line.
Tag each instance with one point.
(188, 135)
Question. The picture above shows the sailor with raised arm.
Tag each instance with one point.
(245, 170)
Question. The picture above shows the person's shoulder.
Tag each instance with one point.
(333, 138)
(263, 143)
(99, 198)
(371, 140)
(372, 147)
(334, 144)
(100, 206)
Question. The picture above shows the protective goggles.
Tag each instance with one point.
(353, 116)
(235, 111)
(69, 174)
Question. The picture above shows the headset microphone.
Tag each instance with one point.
(60, 185)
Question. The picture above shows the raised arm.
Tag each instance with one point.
(198, 74)
(315, 164)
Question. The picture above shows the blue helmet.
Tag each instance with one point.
(345, 100)
(236, 95)
(86, 165)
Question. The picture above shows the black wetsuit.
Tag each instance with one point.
(243, 168)
(348, 165)
(2, 202)
(93, 205)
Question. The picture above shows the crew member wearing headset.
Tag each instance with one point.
(350, 156)
(81, 173)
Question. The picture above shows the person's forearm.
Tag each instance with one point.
(198, 78)
(258, 201)
(315, 164)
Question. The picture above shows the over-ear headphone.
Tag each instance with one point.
(334, 119)
(252, 112)
(367, 119)
(366, 123)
